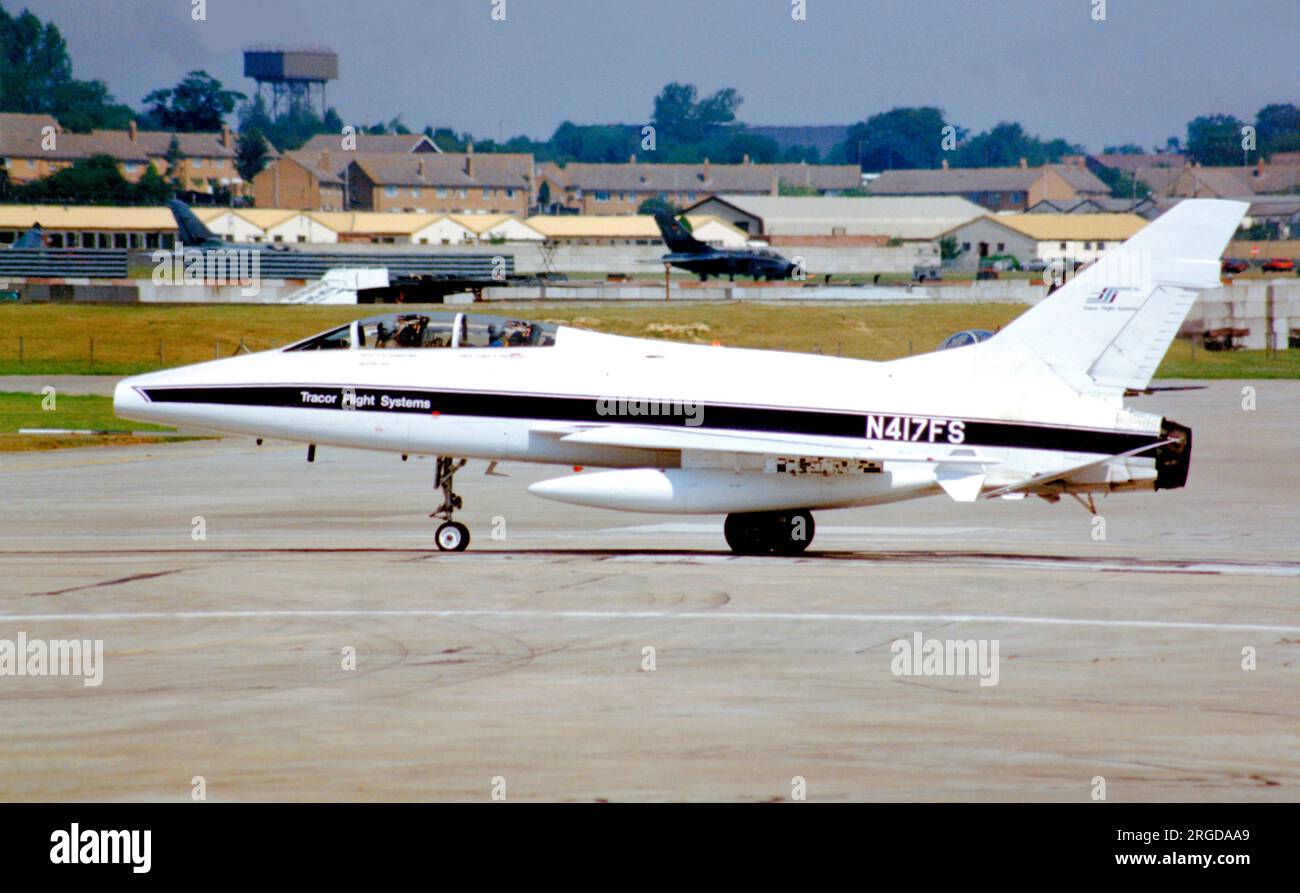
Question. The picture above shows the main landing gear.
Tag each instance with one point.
(451, 536)
(769, 533)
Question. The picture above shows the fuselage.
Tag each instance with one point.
(520, 403)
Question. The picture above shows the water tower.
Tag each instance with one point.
(295, 76)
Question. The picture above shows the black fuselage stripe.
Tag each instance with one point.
(811, 422)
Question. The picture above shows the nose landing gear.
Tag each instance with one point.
(451, 536)
(769, 533)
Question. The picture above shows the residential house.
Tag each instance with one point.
(609, 189)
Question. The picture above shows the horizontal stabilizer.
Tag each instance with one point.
(1064, 475)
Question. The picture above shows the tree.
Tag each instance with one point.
(1215, 140)
(36, 77)
(1122, 185)
(610, 143)
(1126, 149)
(152, 189)
(197, 104)
(1278, 128)
(393, 126)
(655, 204)
(900, 139)
(92, 181)
(292, 128)
(740, 144)
(681, 117)
(446, 139)
(250, 154)
(174, 158)
(1007, 143)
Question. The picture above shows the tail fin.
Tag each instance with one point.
(1110, 326)
(190, 230)
(676, 237)
(33, 238)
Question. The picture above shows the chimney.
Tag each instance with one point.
(1024, 162)
(226, 137)
(419, 168)
(944, 163)
(1259, 168)
(325, 159)
(131, 130)
(469, 159)
(631, 159)
(746, 159)
(706, 169)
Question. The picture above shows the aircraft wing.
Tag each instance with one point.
(665, 438)
(682, 257)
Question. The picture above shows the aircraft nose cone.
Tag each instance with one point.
(127, 401)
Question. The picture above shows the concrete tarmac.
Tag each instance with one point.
(230, 583)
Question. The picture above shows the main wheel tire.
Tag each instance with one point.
(746, 533)
(767, 533)
(791, 532)
(452, 537)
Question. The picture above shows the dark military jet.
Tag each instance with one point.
(692, 255)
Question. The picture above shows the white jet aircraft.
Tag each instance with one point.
(765, 437)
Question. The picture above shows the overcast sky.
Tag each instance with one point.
(1140, 75)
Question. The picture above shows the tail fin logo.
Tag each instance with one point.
(1105, 296)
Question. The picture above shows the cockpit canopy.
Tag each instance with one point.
(414, 329)
(963, 339)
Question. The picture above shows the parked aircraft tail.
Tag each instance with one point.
(676, 236)
(190, 230)
(1109, 327)
(33, 238)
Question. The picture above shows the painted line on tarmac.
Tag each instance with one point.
(757, 616)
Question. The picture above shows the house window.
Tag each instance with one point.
(132, 167)
(1087, 246)
(487, 192)
(510, 193)
(442, 192)
(1062, 246)
(1002, 246)
(965, 246)
(1101, 246)
(602, 196)
(690, 196)
(196, 162)
(415, 192)
(463, 193)
(390, 191)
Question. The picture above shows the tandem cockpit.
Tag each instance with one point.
(414, 329)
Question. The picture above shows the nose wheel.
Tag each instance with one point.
(769, 533)
(451, 536)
